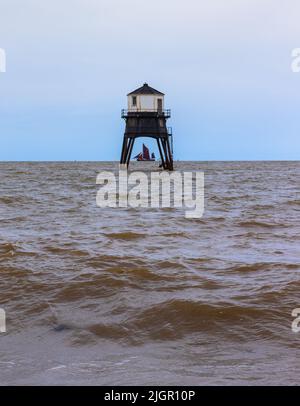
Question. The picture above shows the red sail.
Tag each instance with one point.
(146, 155)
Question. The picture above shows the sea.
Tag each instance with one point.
(146, 296)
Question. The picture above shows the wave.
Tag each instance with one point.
(129, 235)
(8, 249)
(261, 224)
(262, 266)
(175, 318)
(66, 250)
(7, 199)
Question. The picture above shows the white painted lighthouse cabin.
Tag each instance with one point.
(145, 99)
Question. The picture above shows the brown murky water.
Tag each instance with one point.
(146, 296)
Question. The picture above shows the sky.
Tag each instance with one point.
(225, 67)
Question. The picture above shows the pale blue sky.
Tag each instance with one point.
(225, 67)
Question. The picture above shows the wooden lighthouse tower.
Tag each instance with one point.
(146, 117)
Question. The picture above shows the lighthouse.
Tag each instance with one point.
(146, 116)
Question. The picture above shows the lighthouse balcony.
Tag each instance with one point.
(146, 113)
(147, 132)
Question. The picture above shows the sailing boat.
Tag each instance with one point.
(145, 155)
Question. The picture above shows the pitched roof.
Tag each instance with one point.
(145, 89)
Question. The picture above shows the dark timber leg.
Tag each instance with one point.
(161, 154)
(163, 147)
(123, 150)
(127, 150)
(163, 141)
(131, 142)
(150, 125)
(170, 155)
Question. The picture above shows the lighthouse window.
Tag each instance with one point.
(134, 100)
(159, 104)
